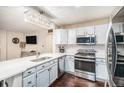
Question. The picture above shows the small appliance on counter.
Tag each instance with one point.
(61, 49)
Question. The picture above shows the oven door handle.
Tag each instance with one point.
(85, 57)
(87, 60)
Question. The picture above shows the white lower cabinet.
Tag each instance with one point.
(30, 81)
(43, 78)
(53, 73)
(101, 70)
(69, 64)
(62, 64)
(47, 76)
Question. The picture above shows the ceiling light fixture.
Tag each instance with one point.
(36, 18)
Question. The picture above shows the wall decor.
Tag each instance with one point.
(15, 40)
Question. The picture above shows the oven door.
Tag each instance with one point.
(85, 65)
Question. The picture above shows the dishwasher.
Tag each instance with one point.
(61, 66)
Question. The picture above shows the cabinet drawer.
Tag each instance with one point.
(29, 72)
(30, 81)
(100, 60)
(42, 66)
(69, 57)
(53, 62)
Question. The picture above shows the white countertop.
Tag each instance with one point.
(100, 54)
(13, 67)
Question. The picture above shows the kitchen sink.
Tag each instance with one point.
(40, 59)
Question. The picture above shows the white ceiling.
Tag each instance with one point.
(12, 18)
(66, 15)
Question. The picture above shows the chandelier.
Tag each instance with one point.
(36, 18)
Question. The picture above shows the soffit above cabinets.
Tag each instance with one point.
(67, 15)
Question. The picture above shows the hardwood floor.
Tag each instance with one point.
(68, 80)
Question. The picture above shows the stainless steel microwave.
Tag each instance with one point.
(86, 40)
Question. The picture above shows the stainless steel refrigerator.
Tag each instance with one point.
(111, 56)
(115, 50)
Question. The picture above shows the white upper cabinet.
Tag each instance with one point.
(72, 36)
(117, 27)
(90, 30)
(101, 32)
(60, 36)
(81, 31)
(85, 31)
(64, 36)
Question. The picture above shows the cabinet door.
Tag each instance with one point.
(43, 78)
(69, 64)
(29, 81)
(57, 36)
(53, 73)
(60, 36)
(101, 71)
(72, 36)
(116, 27)
(62, 64)
(89, 30)
(81, 31)
(85, 31)
(64, 34)
(101, 32)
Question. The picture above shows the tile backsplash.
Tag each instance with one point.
(72, 49)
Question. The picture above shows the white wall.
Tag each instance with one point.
(13, 50)
(2, 45)
(44, 41)
(8, 49)
(88, 23)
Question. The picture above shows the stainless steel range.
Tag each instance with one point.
(85, 64)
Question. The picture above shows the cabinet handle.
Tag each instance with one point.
(29, 82)
(49, 69)
(29, 72)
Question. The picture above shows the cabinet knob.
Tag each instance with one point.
(29, 82)
(29, 72)
(49, 69)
